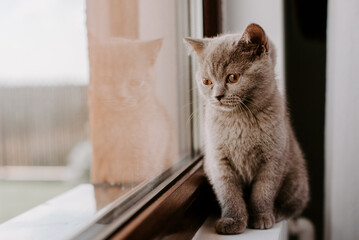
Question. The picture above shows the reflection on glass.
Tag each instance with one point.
(133, 90)
(132, 135)
(105, 194)
(137, 98)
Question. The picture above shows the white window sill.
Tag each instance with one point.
(55, 219)
(207, 232)
(64, 216)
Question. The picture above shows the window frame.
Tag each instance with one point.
(177, 213)
(123, 210)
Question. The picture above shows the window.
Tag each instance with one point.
(44, 147)
(120, 81)
(137, 112)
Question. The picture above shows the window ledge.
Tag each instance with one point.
(206, 231)
(176, 214)
(81, 213)
(55, 218)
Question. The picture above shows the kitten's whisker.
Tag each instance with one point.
(243, 110)
(191, 116)
(249, 111)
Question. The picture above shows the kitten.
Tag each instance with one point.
(252, 157)
(131, 132)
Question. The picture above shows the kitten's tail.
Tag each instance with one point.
(302, 228)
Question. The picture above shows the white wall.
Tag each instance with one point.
(237, 14)
(342, 121)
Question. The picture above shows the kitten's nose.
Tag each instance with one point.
(219, 97)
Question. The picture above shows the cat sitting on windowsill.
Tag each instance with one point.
(252, 157)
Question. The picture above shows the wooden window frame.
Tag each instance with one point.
(177, 213)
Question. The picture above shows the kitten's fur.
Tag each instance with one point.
(252, 157)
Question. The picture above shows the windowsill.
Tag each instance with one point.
(89, 211)
(64, 216)
(51, 219)
(206, 231)
(178, 212)
(54, 219)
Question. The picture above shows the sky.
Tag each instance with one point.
(43, 42)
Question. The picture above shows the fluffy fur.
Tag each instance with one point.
(252, 157)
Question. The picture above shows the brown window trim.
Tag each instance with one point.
(177, 213)
(212, 17)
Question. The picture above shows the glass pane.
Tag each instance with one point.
(133, 91)
(91, 92)
(44, 137)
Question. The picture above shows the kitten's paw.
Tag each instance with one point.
(231, 225)
(262, 221)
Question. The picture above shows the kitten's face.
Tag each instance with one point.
(234, 73)
(124, 68)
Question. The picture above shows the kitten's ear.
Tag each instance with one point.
(256, 35)
(150, 49)
(195, 45)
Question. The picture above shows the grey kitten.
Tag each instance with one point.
(252, 157)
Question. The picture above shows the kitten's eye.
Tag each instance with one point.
(233, 78)
(207, 82)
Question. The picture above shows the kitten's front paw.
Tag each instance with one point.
(262, 221)
(231, 225)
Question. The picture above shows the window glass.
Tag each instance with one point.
(90, 92)
(44, 137)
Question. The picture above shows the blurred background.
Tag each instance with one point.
(44, 136)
